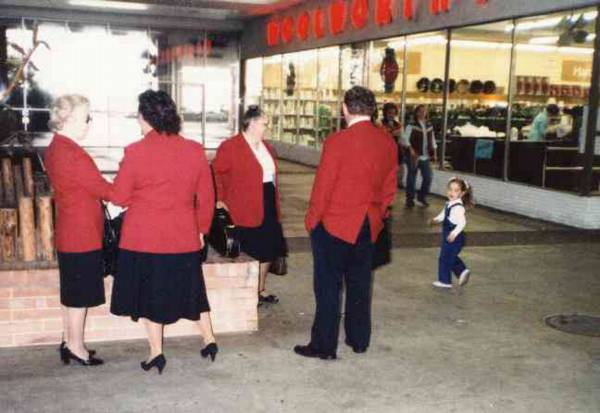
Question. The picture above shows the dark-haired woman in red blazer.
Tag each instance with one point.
(165, 182)
(246, 179)
(78, 190)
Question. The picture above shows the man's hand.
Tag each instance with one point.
(201, 241)
(221, 205)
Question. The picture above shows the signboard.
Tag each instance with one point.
(576, 71)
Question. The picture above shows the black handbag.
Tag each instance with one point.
(221, 235)
(278, 266)
(110, 241)
(382, 251)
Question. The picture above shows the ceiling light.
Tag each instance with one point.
(439, 39)
(109, 4)
(544, 40)
(534, 24)
(476, 44)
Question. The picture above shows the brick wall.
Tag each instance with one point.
(30, 311)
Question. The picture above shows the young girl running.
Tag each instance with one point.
(453, 220)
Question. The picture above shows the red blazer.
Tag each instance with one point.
(78, 188)
(165, 182)
(239, 181)
(356, 178)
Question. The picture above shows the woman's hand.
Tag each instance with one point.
(432, 222)
(201, 241)
(451, 237)
(221, 205)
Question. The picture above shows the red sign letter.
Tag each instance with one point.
(273, 33)
(408, 10)
(337, 16)
(303, 26)
(360, 13)
(438, 6)
(287, 29)
(318, 23)
(383, 12)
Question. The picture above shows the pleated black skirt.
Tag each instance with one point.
(266, 242)
(81, 279)
(159, 287)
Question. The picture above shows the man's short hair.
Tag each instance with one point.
(360, 101)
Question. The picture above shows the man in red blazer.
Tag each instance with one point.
(354, 186)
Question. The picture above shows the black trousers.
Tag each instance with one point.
(336, 262)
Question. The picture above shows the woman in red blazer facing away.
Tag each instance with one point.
(78, 190)
(246, 180)
(165, 182)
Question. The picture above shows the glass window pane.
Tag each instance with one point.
(426, 60)
(478, 100)
(306, 72)
(328, 77)
(553, 74)
(253, 82)
(385, 71)
(272, 93)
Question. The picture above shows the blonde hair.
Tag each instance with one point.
(62, 108)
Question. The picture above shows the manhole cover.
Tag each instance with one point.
(585, 325)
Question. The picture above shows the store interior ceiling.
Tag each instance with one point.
(216, 10)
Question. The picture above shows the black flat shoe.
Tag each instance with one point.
(159, 362)
(356, 349)
(63, 344)
(269, 299)
(308, 351)
(67, 355)
(210, 350)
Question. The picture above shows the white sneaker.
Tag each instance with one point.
(464, 277)
(440, 284)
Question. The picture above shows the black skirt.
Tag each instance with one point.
(266, 242)
(81, 279)
(159, 287)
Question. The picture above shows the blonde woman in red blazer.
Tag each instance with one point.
(78, 190)
(165, 182)
(246, 179)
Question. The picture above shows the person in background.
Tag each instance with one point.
(353, 188)
(394, 127)
(453, 220)
(419, 138)
(165, 182)
(245, 169)
(78, 190)
(540, 124)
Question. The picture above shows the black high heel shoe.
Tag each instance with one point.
(67, 355)
(64, 343)
(159, 362)
(210, 350)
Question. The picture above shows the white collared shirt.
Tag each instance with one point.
(359, 119)
(457, 216)
(263, 156)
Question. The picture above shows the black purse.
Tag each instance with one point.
(382, 251)
(110, 241)
(221, 235)
(278, 266)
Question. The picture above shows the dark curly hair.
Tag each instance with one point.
(360, 101)
(253, 112)
(159, 110)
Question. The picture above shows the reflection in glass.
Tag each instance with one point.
(328, 79)
(272, 76)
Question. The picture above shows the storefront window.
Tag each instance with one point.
(290, 105)
(306, 83)
(552, 84)
(272, 93)
(253, 81)
(425, 63)
(328, 92)
(478, 99)
(386, 66)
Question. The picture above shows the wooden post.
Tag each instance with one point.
(8, 233)
(28, 177)
(18, 178)
(27, 228)
(8, 182)
(46, 229)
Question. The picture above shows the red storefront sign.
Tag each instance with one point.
(284, 29)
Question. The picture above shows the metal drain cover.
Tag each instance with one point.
(585, 325)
